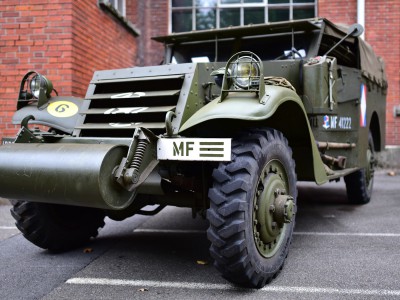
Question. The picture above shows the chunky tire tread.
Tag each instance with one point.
(356, 186)
(56, 227)
(235, 185)
(228, 207)
(358, 191)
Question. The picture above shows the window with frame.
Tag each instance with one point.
(188, 15)
(120, 6)
(117, 8)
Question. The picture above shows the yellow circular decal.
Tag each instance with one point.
(62, 109)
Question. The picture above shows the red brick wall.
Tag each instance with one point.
(64, 40)
(382, 27)
(34, 35)
(382, 31)
(151, 17)
(99, 43)
(339, 11)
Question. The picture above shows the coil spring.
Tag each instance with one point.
(139, 154)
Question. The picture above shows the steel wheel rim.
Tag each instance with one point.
(269, 230)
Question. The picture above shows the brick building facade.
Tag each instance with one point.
(67, 40)
(64, 40)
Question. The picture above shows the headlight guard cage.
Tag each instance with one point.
(233, 82)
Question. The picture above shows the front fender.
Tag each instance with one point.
(243, 106)
(280, 108)
(61, 113)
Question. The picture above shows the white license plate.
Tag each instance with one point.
(194, 149)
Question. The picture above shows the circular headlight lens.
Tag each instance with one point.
(35, 86)
(244, 70)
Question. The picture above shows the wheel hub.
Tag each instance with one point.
(273, 208)
(284, 208)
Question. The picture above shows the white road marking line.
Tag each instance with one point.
(150, 283)
(214, 286)
(366, 234)
(8, 227)
(144, 230)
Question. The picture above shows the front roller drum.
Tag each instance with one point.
(69, 174)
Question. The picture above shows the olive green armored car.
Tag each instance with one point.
(227, 125)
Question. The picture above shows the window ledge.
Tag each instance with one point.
(106, 5)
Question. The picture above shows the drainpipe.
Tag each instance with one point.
(361, 15)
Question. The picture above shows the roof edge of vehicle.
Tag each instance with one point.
(241, 31)
(372, 66)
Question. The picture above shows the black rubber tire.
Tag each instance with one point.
(232, 197)
(359, 184)
(56, 227)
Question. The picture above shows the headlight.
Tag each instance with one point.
(35, 86)
(245, 72)
(40, 81)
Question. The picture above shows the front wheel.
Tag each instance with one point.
(252, 208)
(56, 227)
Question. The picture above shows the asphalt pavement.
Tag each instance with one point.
(339, 251)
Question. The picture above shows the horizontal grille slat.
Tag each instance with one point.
(127, 110)
(131, 95)
(111, 126)
(149, 78)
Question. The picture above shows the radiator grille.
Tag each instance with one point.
(118, 106)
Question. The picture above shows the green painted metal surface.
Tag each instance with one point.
(247, 107)
(71, 174)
